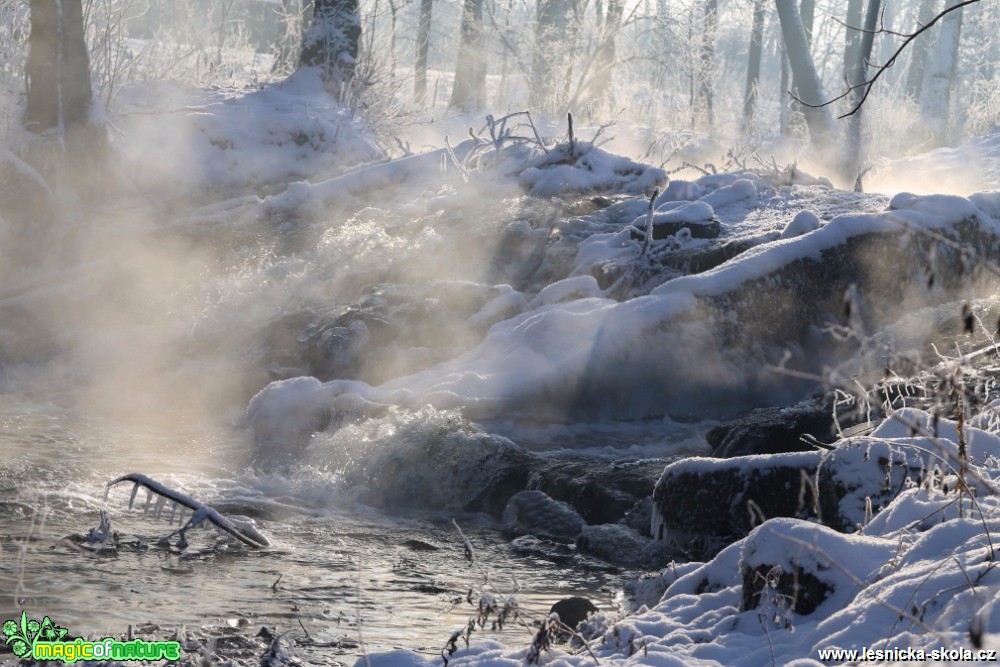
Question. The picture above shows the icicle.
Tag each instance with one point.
(158, 509)
(173, 510)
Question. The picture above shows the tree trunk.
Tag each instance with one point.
(805, 81)
(919, 50)
(888, 20)
(707, 58)
(599, 88)
(423, 48)
(58, 68)
(852, 162)
(469, 92)
(784, 100)
(935, 101)
(753, 65)
(331, 43)
(554, 29)
(852, 37)
(808, 13)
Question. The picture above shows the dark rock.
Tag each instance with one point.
(535, 513)
(700, 505)
(775, 302)
(598, 492)
(705, 258)
(621, 545)
(573, 611)
(601, 493)
(703, 229)
(639, 517)
(419, 545)
(772, 431)
(802, 589)
(787, 565)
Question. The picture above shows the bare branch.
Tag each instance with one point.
(867, 85)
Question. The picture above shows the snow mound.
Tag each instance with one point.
(583, 168)
(803, 223)
(974, 165)
(236, 139)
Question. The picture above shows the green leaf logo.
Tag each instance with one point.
(21, 637)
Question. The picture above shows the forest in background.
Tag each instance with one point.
(714, 74)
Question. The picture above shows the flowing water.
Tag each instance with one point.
(353, 576)
(135, 347)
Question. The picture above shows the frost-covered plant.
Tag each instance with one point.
(498, 610)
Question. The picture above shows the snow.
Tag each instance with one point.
(918, 576)
(962, 169)
(573, 352)
(585, 168)
(611, 331)
(697, 212)
(678, 190)
(193, 139)
(730, 194)
(803, 223)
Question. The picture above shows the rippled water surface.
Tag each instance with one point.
(348, 575)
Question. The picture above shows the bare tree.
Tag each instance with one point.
(805, 80)
(604, 60)
(918, 55)
(332, 41)
(807, 10)
(469, 91)
(57, 69)
(555, 35)
(753, 65)
(947, 48)
(852, 162)
(707, 58)
(852, 36)
(423, 48)
(935, 99)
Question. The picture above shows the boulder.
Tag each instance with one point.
(772, 430)
(702, 504)
(793, 566)
(574, 610)
(535, 513)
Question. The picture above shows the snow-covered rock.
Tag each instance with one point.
(701, 504)
(803, 223)
(584, 168)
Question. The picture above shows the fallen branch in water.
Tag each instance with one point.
(244, 531)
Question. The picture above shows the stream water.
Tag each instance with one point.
(352, 576)
(136, 350)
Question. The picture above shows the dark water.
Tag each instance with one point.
(349, 575)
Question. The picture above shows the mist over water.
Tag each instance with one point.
(353, 358)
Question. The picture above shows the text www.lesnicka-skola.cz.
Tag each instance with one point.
(915, 654)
